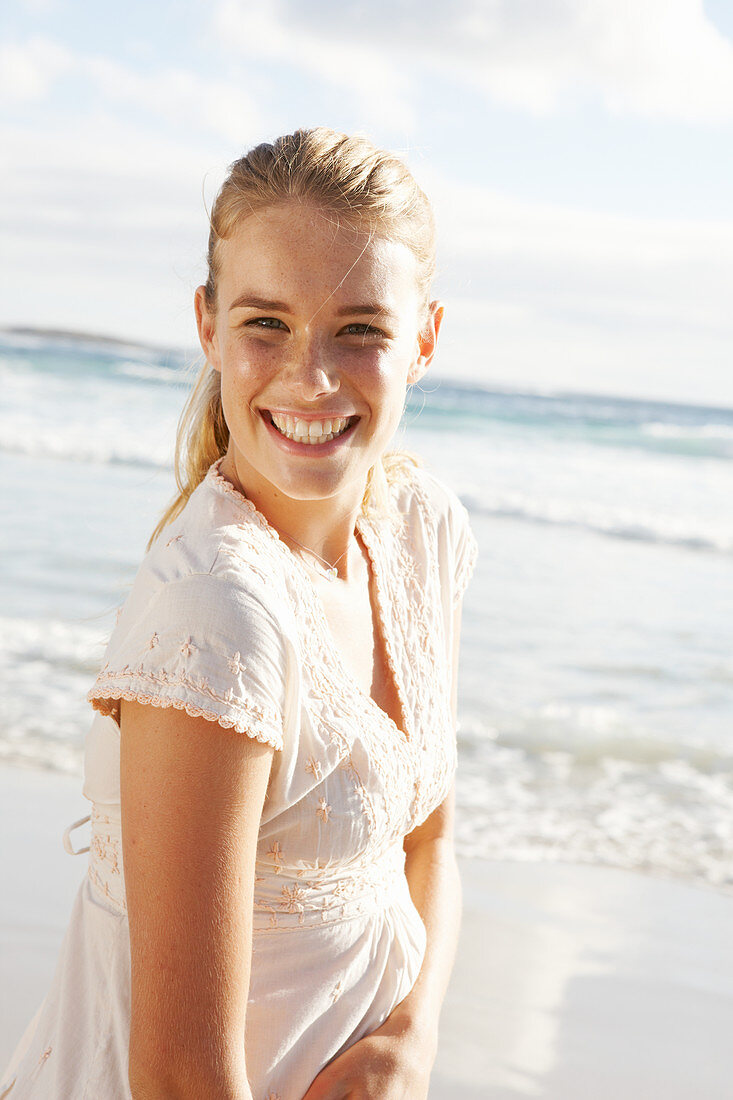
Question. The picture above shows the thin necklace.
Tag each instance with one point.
(330, 572)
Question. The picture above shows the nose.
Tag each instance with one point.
(310, 376)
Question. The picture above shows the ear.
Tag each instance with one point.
(426, 342)
(206, 325)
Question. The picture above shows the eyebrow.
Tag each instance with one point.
(371, 309)
(253, 301)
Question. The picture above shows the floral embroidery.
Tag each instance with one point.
(174, 539)
(410, 571)
(324, 810)
(153, 641)
(105, 858)
(336, 992)
(45, 1055)
(235, 664)
(276, 853)
(313, 767)
(367, 886)
(188, 648)
(293, 898)
(105, 851)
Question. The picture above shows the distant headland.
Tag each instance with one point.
(78, 337)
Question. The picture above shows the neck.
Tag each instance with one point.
(325, 527)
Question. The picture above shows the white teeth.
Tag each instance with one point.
(314, 431)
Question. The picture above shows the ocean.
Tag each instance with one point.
(596, 690)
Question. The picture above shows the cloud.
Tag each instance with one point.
(29, 69)
(102, 219)
(588, 300)
(657, 59)
(614, 258)
(177, 95)
(39, 7)
(103, 226)
(326, 47)
(660, 58)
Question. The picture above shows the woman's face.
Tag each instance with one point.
(313, 323)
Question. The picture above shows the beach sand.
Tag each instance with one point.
(571, 982)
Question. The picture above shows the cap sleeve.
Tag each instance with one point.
(202, 644)
(465, 547)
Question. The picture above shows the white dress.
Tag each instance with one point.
(224, 621)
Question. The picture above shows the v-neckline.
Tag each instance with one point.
(378, 609)
(362, 524)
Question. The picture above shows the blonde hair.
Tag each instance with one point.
(361, 186)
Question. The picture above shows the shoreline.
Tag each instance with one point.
(571, 980)
(81, 338)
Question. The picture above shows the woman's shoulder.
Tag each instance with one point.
(204, 627)
(219, 537)
(437, 523)
(218, 532)
(216, 564)
(421, 492)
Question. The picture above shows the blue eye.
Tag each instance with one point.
(358, 328)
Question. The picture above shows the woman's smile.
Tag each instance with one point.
(310, 435)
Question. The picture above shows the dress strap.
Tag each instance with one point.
(67, 836)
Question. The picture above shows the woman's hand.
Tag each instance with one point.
(392, 1063)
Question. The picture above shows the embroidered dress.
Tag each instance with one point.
(224, 622)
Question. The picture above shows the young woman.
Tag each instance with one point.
(273, 754)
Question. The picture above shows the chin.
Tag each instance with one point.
(319, 487)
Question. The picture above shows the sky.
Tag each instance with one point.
(578, 153)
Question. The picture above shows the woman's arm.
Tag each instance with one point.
(435, 887)
(192, 794)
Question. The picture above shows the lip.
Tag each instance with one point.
(310, 416)
(315, 449)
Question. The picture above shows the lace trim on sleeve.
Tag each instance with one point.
(230, 711)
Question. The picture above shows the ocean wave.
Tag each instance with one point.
(663, 430)
(152, 372)
(590, 734)
(87, 448)
(42, 755)
(646, 807)
(689, 533)
(72, 646)
(51, 665)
